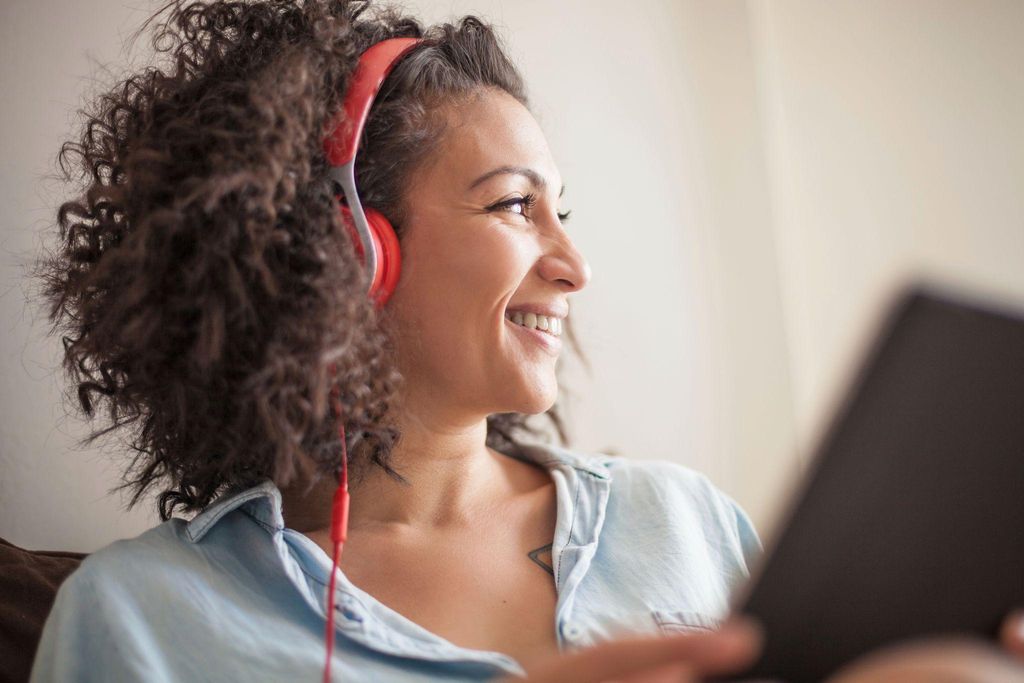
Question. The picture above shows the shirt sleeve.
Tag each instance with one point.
(710, 543)
(750, 544)
(726, 524)
(88, 637)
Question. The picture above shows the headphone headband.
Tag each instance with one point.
(381, 255)
(375, 64)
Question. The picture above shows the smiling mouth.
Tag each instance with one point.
(549, 325)
(532, 337)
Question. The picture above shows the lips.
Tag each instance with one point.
(536, 338)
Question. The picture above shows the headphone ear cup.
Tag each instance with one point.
(389, 257)
(385, 243)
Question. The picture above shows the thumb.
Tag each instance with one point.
(1012, 635)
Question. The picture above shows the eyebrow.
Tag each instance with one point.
(536, 179)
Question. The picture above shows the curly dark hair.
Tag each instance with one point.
(202, 282)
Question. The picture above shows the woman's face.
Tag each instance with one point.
(474, 247)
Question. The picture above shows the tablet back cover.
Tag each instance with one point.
(911, 521)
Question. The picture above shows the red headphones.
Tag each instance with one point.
(375, 242)
(374, 238)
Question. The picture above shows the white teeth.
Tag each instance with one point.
(552, 326)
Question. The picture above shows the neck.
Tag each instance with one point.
(453, 479)
(451, 474)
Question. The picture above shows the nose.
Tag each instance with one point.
(563, 264)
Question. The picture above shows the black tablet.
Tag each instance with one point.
(911, 520)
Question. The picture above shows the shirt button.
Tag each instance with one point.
(351, 613)
(348, 608)
(572, 633)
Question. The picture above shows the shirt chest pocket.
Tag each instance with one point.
(671, 621)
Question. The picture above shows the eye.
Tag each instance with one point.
(516, 205)
(521, 205)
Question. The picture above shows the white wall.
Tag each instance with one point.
(51, 495)
(895, 134)
(746, 178)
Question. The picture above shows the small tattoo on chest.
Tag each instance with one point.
(542, 556)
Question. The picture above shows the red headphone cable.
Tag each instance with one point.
(339, 531)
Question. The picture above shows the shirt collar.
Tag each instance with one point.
(263, 501)
(551, 456)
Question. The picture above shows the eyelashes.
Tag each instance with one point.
(525, 203)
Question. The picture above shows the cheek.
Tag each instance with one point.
(463, 276)
(452, 289)
(488, 269)
(492, 247)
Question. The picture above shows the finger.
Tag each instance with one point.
(1012, 634)
(671, 673)
(926, 661)
(729, 649)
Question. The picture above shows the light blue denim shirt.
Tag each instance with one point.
(640, 546)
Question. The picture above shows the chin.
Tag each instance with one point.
(538, 402)
(529, 393)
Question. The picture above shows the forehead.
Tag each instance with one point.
(487, 131)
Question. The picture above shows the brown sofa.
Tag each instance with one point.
(28, 584)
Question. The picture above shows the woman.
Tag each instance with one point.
(213, 303)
